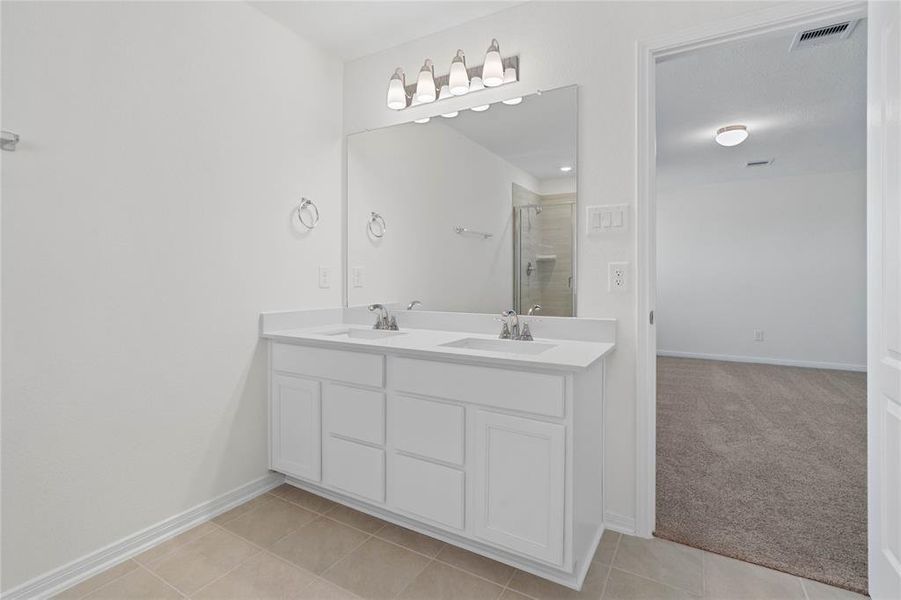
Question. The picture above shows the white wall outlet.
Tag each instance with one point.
(758, 335)
(356, 277)
(617, 277)
(325, 277)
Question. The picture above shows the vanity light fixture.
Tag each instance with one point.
(458, 78)
(397, 90)
(731, 135)
(493, 69)
(425, 83)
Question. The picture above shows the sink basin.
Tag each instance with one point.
(364, 334)
(505, 346)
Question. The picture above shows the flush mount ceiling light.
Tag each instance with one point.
(460, 80)
(566, 168)
(731, 135)
(425, 83)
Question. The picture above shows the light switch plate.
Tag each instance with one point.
(608, 218)
(325, 277)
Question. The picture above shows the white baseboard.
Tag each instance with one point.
(64, 577)
(619, 523)
(783, 362)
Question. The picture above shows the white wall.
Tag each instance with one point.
(785, 255)
(424, 179)
(591, 44)
(146, 223)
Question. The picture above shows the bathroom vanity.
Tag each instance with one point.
(492, 445)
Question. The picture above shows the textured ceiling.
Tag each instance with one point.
(350, 30)
(805, 108)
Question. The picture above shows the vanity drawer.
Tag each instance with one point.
(340, 365)
(538, 393)
(428, 428)
(427, 490)
(353, 412)
(355, 468)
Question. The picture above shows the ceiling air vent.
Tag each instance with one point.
(760, 163)
(823, 35)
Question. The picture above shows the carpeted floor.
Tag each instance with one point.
(765, 464)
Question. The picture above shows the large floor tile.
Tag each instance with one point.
(270, 522)
(443, 582)
(260, 577)
(410, 539)
(89, 585)
(542, 589)
(194, 565)
(325, 590)
(160, 550)
(355, 518)
(318, 545)
(476, 564)
(138, 584)
(606, 548)
(511, 595)
(625, 586)
(244, 508)
(820, 591)
(304, 498)
(377, 570)
(737, 580)
(664, 562)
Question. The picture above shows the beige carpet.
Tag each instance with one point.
(765, 464)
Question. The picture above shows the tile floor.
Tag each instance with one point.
(290, 544)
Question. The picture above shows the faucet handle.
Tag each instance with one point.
(505, 331)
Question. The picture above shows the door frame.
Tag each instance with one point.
(648, 52)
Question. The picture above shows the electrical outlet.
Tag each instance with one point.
(356, 277)
(758, 335)
(325, 277)
(617, 277)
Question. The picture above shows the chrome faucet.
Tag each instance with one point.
(534, 309)
(414, 304)
(384, 320)
(510, 329)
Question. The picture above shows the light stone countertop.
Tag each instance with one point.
(427, 343)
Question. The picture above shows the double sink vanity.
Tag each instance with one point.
(494, 445)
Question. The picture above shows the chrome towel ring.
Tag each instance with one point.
(376, 225)
(308, 208)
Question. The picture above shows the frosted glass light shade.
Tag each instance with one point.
(458, 79)
(509, 75)
(397, 93)
(425, 83)
(474, 86)
(732, 135)
(422, 120)
(493, 69)
(512, 101)
(444, 95)
(480, 108)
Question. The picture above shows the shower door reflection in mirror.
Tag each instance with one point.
(476, 212)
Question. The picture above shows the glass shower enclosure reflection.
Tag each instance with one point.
(543, 250)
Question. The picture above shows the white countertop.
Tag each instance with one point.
(427, 343)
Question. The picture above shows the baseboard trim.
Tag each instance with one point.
(75, 572)
(619, 523)
(782, 362)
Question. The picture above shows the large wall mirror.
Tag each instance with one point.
(472, 213)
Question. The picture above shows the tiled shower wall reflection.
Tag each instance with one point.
(543, 252)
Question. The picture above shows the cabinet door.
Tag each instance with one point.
(295, 428)
(519, 488)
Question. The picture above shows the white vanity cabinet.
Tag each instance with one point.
(477, 453)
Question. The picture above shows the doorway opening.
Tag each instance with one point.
(760, 312)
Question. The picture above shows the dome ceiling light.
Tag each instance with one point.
(731, 135)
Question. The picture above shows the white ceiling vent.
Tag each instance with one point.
(826, 34)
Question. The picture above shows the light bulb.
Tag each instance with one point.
(493, 69)
(425, 83)
(732, 135)
(458, 79)
(397, 93)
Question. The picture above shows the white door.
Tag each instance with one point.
(884, 297)
(295, 427)
(519, 487)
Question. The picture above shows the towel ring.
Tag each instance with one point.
(311, 208)
(379, 222)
